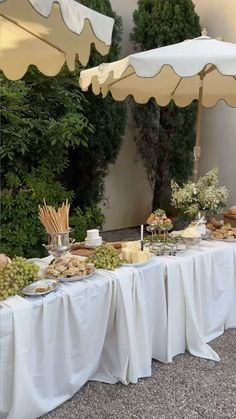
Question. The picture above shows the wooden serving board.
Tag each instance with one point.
(80, 249)
(230, 219)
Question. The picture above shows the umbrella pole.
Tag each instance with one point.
(197, 148)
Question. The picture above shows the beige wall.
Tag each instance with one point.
(219, 123)
(127, 190)
(128, 197)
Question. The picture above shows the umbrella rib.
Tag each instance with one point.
(119, 80)
(176, 87)
(212, 68)
(32, 33)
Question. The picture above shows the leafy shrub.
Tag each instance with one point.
(21, 231)
(82, 221)
(57, 143)
(41, 119)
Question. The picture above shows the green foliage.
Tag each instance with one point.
(82, 221)
(57, 143)
(204, 195)
(162, 22)
(164, 136)
(21, 230)
(41, 120)
(88, 167)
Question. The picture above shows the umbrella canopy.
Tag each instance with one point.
(48, 33)
(202, 68)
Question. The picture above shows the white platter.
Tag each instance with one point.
(222, 240)
(75, 278)
(136, 265)
(30, 290)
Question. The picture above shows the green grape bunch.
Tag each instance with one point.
(105, 257)
(17, 275)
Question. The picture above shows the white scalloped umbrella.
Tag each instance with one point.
(48, 33)
(202, 68)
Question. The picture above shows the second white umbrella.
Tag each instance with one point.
(202, 68)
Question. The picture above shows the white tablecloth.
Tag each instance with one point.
(110, 326)
(50, 347)
(171, 305)
(201, 294)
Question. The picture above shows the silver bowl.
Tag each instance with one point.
(60, 244)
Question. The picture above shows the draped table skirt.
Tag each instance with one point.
(110, 327)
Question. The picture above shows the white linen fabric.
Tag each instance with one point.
(51, 346)
(230, 321)
(110, 326)
(138, 331)
(201, 294)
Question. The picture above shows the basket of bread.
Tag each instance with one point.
(230, 216)
(220, 231)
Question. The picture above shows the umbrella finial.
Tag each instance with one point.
(204, 32)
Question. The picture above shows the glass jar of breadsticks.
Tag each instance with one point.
(56, 223)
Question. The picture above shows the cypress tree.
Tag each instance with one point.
(164, 136)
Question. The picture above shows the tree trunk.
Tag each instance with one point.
(156, 200)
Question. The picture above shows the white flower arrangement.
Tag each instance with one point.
(204, 195)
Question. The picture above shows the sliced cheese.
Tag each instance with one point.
(126, 255)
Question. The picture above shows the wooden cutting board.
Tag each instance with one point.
(80, 249)
(231, 219)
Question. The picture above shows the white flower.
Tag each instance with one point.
(203, 195)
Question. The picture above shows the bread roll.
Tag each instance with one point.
(232, 210)
(81, 252)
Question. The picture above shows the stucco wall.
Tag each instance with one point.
(127, 190)
(219, 124)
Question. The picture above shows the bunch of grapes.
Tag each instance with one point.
(105, 257)
(16, 275)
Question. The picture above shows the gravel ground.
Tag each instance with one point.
(133, 233)
(188, 388)
(123, 234)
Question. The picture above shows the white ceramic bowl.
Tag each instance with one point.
(95, 242)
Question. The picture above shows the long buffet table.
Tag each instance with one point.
(110, 326)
